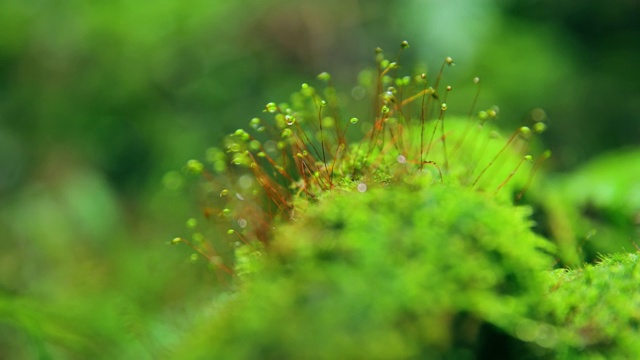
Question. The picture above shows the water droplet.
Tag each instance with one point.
(358, 92)
(354, 120)
(362, 187)
(242, 223)
(245, 181)
(401, 159)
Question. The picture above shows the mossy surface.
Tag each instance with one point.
(398, 237)
(416, 272)
(597, 309)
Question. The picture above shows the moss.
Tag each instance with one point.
(597, 307)
(417, 272)
(396, 237)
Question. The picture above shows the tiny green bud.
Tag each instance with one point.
(307, 90)
(324, 76)
(230, 232)
(194, 166)
(354, 120)
(328, 121)
(254, 145)
(255, 122)
(271, 107)
(243, 135)
(539, 127)
(192, 223)
(198, 237)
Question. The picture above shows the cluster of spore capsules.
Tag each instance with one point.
(307, 147)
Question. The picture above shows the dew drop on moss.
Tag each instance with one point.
(362, 187)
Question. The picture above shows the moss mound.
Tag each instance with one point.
(425, 271)
(598, 309)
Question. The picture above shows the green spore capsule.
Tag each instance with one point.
(195, 166)
(539, 127)
(353, 120)
(324, 76)
(192, 223)
(271, 107)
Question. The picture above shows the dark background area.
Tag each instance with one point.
(99, 100)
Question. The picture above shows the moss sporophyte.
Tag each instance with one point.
(391, 229)
(302, 151)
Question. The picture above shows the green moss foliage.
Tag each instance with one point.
(597, 308)
(417, 271)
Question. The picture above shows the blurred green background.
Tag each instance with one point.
(99, 99)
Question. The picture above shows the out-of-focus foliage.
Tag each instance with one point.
(595, 209)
